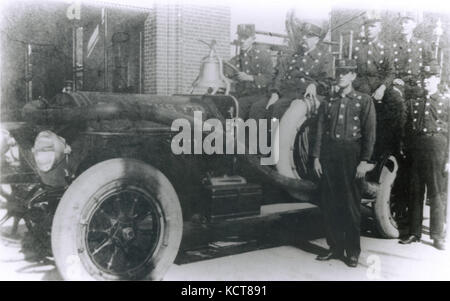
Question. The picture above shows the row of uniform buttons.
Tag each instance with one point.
(246, 62)
(427, 104)
(293, 63)
(341, 115)
(369, 52)
(409, 49)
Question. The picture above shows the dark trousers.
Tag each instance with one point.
(246, 102)
(277, 110)
(340, 194)
(428, 157)
(280, 107)
(258, 110)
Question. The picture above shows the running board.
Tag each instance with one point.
(272, 211)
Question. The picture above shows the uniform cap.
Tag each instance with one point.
(371, 17)
(345, 65)
(246, 30)
(407, 15)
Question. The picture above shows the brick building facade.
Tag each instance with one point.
(150, 50)
(173, 52)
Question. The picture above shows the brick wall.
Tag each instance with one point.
(173, 53)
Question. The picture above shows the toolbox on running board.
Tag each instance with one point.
(230, 197)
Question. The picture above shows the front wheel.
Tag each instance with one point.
(120, 219)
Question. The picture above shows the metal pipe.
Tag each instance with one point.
(141, 45)
(272, 34)
(105, 53)
(79, 64)
(74, 56)
(29, 74)
(350, 47)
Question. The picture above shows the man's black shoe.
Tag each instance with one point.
(330, 255)
(352, 261)
(409, 239)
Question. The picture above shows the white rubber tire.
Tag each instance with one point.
(67, 249)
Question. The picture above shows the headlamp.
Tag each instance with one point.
(49, 150)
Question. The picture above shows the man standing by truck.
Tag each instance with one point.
(343, 147)
(426, 144)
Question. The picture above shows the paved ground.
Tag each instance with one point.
(281, 248)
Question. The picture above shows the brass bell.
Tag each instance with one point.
(211, 72)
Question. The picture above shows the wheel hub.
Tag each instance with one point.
(128, 233)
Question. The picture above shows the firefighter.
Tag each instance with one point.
(344, 144)
(409, 55)
(426, 144)
(375, 75)
(304, 72)
(253, 69)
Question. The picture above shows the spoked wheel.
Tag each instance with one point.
(3, 208)
(13, 199)
(119, 220)
(41, 208)
(4, 212)
(399, 210)
(123, 231)
(302, 146)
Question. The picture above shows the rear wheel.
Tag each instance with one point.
(121, 219)
(294, 138)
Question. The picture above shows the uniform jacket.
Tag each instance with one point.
(296, 70)
(427, 116)
(349, 118)
(257, 61)
(374, 64)
(409, 58)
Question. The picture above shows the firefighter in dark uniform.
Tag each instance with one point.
(375, 75)
(253, 70)
(304, 72)
(409, 55)
(426, 144)
(343, 148)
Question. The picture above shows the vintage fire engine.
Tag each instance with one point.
(94, 175)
